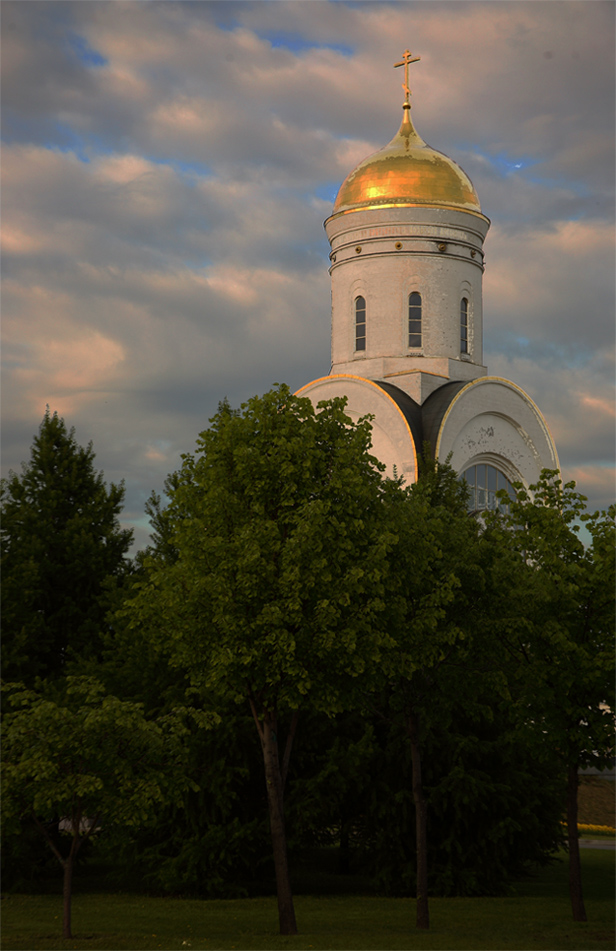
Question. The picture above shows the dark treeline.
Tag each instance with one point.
(306, 656)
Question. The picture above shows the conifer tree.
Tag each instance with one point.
(61, 540)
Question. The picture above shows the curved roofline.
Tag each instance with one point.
(512, 386)
(408, 421)
(407, 171)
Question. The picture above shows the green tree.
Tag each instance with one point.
(61, 542)
(215, 840)
(84, 762)
(274, 597)
(493, 809)
(563, 637)
(434, 595)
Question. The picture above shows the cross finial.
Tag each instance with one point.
(407, 58)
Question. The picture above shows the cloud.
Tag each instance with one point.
(167, 168)
(552, 287)
(578, 405)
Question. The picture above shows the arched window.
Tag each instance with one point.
(484, 481)
(414, 320)
(360, 323)
(464, 325)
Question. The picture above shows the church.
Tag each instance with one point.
(406, 235)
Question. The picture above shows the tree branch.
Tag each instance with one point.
(50, 842)
(255, 715)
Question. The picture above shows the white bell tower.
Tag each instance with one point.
(407, 236)
(406, 266)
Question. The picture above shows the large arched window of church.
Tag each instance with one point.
(414, 320)
(464, 325)
(484, 481)
(360, 323)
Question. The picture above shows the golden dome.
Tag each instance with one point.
(407, 172)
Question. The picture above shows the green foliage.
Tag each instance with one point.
(437, 590)
(214, 841)
(563, 647)
(78, 760)
(86, 754)
(493, 810)
(281, 555)
(276, 587)
(61, 540)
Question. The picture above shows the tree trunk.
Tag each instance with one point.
(575, 867)
(421, 824)
(67, 896)
(273, 781)
(344, 852)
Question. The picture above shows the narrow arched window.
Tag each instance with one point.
(360, 323)
(464, 325)
(414, 320)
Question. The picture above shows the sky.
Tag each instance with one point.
(167, 168)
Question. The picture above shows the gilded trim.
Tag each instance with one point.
(408, 204)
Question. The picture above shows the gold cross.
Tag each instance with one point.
(406, 59)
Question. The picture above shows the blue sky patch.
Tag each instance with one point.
(328, 191)
(84, 147)
(67, 140)
(180, 167)
(84, 52)
(297, 43)
(503, 163)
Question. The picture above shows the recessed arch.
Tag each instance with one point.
(492, 417)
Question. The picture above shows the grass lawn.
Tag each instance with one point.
(537, 916)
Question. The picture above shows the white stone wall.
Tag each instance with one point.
(392, 440)
(492, 420)
(384, 255)
(489, 420)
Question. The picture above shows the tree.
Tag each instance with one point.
(216, 839)
(84, 762)
(61, 542)
(493, 809)
(433, 598)
(563, 639)
(274, 597)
